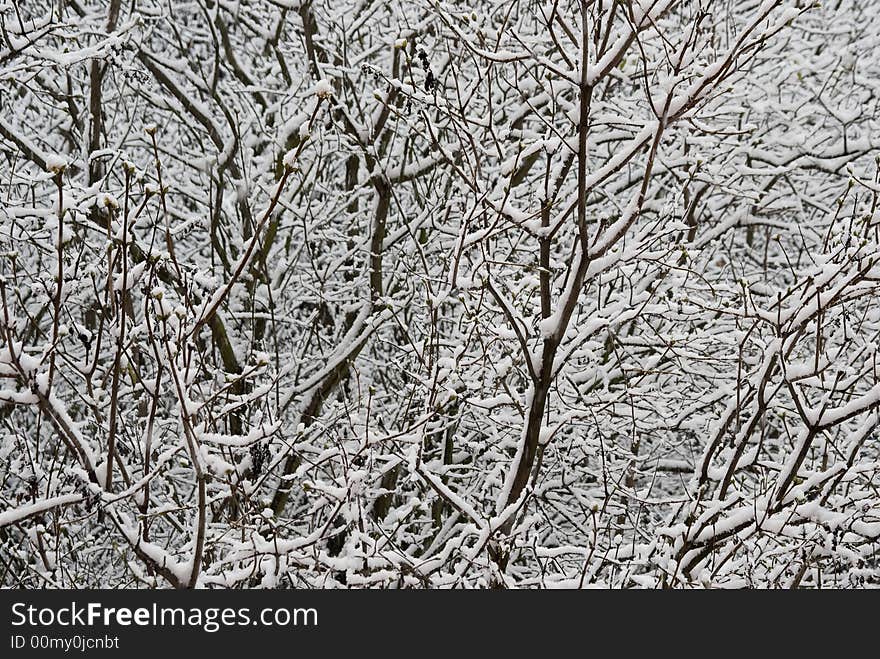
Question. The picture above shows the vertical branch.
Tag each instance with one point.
(96, 81)
(120, 335)
(59, 277)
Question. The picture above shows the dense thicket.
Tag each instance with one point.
(332, 293)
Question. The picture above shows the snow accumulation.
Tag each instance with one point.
(435, 297)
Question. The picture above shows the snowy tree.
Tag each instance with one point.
(301, 293)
